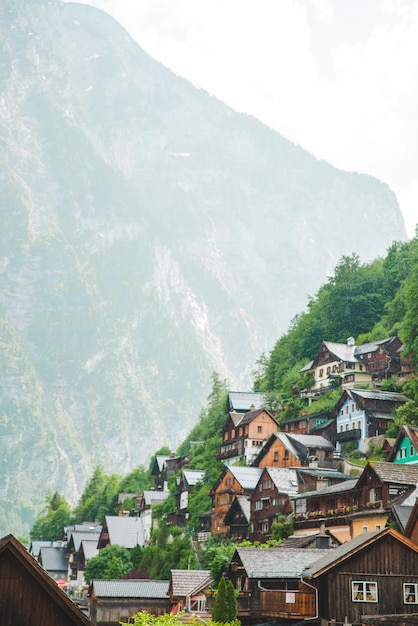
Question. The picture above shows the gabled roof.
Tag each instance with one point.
(349, 548)
(277, 562)
(89, 549)
(129, 588)
(247, 477)
(53, 559)
(242, 401)
(124, 531)
(50, 599)
(35, 546)
(159, 463)
(155, 496)
(393, 472)
(300, 446)
(284, 479)
(192, 477)
(361, 395)
(341, 351)
(186, 582)
(76, 537)
(372, 346)
(244, 504)
(411, 432)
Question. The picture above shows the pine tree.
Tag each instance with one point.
(220, 605)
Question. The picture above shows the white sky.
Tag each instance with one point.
(338, 77)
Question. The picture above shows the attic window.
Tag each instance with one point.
(410, 593)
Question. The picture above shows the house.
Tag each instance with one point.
(288, 450)
(362, 414)
(86, 551)
(74, 540)
(243, 434)
(357, 505)
(237, 519)
(187, 588)
(322, 540)
(127, 532)
(405, 447)
(53, 560)
(113, 601)
(268, 582)
(158, 471)
(306, 424)
(233, 481)
(374, 574)
(271, 498)
(143, 508)
(348, 365)
(186, 483)
(335, 365)
(327, 508)
(314, 478)
(28, 594)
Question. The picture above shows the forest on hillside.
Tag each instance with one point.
(367, 301)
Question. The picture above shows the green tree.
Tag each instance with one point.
(220, 605)
(49, 525)
(231, 600)
(111, 562)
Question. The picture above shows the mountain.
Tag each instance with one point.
(149, 236)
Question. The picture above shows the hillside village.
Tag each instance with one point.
(352, 551)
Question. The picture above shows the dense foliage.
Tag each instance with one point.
(111, 563)
(365, 301)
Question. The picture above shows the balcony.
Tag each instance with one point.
(226, 454)
(348, 435)
(287, 604)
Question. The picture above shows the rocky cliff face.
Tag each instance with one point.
(149, 236)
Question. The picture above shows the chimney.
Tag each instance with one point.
(350, 341)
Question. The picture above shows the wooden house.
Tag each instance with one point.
(113, 601)
(405, 447)
(288, 450)
(243, 434)
(53, 560)
(86, 551)
(306, 424)
(187, 589)
(268, 582)
(271, 498)
(362, 414)
(74, 539)
(237, 519)
(374, 574)
(234, 481)
(158, 471)
(244, 401)
(28, 594)
(313, 478)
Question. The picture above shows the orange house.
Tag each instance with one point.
(291, 450)
(234, 481)
(243, 434)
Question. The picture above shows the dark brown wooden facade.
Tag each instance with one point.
(377, 575)
(28, 595)
(267, 503)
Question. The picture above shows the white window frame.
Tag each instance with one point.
(363, 589)
(407, 592)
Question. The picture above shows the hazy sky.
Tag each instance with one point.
(338, 77)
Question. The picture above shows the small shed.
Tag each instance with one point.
(187, 589)
(113, 601)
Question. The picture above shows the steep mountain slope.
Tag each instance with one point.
(149, 235)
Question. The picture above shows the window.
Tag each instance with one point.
(276, 456)
(365, 529)
(363, 591)
(411, 451)
(352, 408)
(346, 409)
(286, 455)
(321, 372)
(410, 593)
(258, 505)
(341, 428)
(403, 453)
(378, 527)
(259, 428)
(359, 425)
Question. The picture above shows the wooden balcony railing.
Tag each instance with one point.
(287, 604)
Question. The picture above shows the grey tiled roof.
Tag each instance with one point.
(406, 474)
(187, 582)
(312, 441)
(78, 536)
(247, 477)
(243, 400)
(192, 477)
(285, 479)
(278, 562)
(345, 485)
(155, 496)
(336, 553)
(90, 549)
(379, 395)
(245, 505)
(402, 513)
(53, 559)
(125, 531)
(342, 351)
(130, 588)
